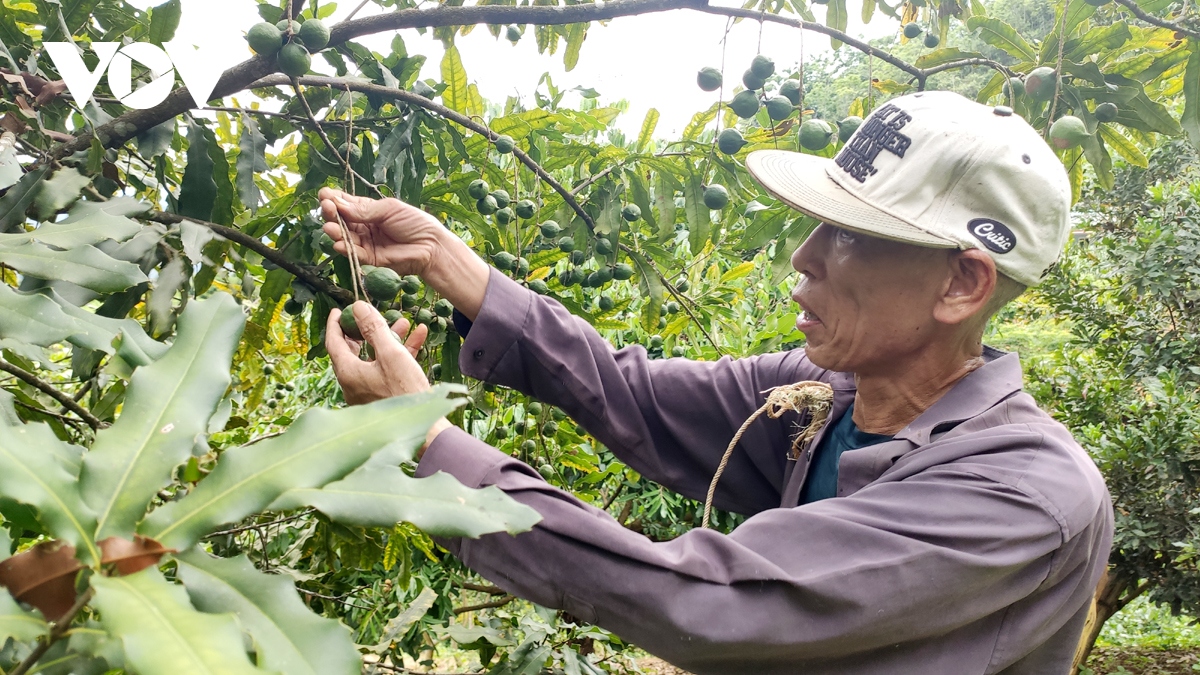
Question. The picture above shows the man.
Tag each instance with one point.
(940, 523)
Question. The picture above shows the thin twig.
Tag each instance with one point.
(244, 528)
(484, 588)
(329, 144)
(56, 633)
(48, 389)
(485, 605)
(1161, 23)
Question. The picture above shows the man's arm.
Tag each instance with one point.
(895, 562)
(670, 419)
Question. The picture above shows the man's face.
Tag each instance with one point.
(866, 302)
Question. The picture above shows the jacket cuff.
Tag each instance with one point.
(461, 455)
(495, 331)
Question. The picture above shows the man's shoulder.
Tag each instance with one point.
(1017, 443)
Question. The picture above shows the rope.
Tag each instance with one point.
(816, 397)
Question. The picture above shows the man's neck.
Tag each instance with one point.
(887, 402)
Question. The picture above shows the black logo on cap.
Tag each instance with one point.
(995, 235)
(881, 131)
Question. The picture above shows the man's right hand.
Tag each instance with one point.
(390, 233)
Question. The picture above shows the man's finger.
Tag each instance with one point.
(336, 342)
(374, 329)
(400, 327)
(417, 339)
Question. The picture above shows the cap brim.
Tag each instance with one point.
(802, 182)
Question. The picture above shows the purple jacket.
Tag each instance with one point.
(970, 543)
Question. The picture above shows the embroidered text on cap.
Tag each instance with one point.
(994, 234)
(880, 132)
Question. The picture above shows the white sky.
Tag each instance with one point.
(650, 60)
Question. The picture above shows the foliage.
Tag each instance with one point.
(166, 286)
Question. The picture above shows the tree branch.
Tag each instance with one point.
(345, 162)
(441, 111)
(1161, 23)
(305, 274)
(996, 65)
(48, 389)
(817, 28)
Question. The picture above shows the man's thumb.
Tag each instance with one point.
(374, 328)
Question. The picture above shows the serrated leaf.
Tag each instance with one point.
(457, 95)
(85, 266)
(647, 133)
(197, 189)
(438, 504)
(698, 217)
(162, 632)
(319, 447)
(938, 57)
(1190, 121)
(167, 404)
(88, 223)
(251, 160)
(738, 272)
(1002, 36)
(288, 637)
(32, 473)
(576, 34)
(398, 626)
(652, 290)
(36, 319)
(60, 190)
(664, 205)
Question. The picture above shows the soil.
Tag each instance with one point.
(1104, 661)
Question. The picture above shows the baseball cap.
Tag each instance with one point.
(936, 169)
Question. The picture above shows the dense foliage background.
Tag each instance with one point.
(118, 227)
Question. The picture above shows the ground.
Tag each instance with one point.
(1104, 661)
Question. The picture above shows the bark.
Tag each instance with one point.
(1112, 594)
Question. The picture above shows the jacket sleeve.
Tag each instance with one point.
(894, 562)
(669, 419)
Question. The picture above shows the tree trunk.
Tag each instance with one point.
(1112, 594)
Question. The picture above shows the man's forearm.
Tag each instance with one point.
(459, 275)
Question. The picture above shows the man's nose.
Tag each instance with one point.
(808, 257)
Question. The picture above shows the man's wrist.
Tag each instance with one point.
(459, 275)
(438, 427)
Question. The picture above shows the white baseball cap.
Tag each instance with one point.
(936, 169)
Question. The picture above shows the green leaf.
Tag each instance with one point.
(1099, 39)
(698, 216)
(868, 10)
(439, 504)
(319, 447)
(652, 290)
(288, 637)
(164, 20)
(162, 632)
(576, 33)
(838, 18)
(1078, 11)
(944, 55)
(1002, 36)
(457, 95)
(86, 266)
(1191, 99)
(166, 407)
(36, 319)
(398, 626)
(647, 132)
(60, 190)
(17, 623)
(251, 160)
(664, 205)
(88, 223)
(31, 472)
(197, 189)
(16, 201)
(1123, 146)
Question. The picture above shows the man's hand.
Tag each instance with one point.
(385, 232)
(391, 233)
(395, 370)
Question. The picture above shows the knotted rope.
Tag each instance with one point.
(816, 397)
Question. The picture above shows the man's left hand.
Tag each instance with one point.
(394, 371)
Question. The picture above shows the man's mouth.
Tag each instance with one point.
(807, 319)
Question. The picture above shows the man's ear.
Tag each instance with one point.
(970, 282)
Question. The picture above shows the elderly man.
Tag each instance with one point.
(939, 523)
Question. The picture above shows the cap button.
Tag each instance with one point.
(1002, 110)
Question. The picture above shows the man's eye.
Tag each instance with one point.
(845, 236)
